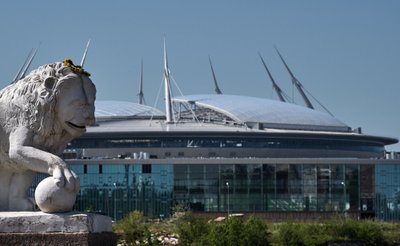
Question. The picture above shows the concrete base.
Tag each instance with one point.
(38, 228)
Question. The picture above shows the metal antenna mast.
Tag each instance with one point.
(85, 53)
(141, 94)
(27, 63)
(277, 89)
(296, 82)
(168, 103)
(18, 75)
(217, 90)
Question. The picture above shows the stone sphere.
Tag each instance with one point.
(53, 199)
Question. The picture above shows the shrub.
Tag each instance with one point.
(366, 231)
(256, 232)
(132, 228)
(232, 231)
(217, 235)
(191, 229)
(290, 234)
(391, 233)
(310, 234)
(314, 234)
(179, 210)
(235, 231)
(370, 232)
(229, 232)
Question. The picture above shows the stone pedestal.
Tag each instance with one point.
(38, 228)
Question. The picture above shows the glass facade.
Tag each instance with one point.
(387, 191)
(116, 189)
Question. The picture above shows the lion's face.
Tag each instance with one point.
(52, 101)
(75, 104)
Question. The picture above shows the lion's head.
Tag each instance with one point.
(51, 100)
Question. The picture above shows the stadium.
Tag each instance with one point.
(220, 154)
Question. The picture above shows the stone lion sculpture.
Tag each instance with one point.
(39, 115)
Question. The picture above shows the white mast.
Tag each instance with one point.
(29, 63)
(85, 53)
(168, 103)
(297, 83)
(277, 89)
(141, 94)
(22, 71)
(217, 90)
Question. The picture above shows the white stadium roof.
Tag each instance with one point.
(268, 113)
(123, 109)
(242, 110)
(249, 113)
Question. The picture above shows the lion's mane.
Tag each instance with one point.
(31, 104)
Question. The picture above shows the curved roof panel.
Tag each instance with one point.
(269, 113)
(109, 109)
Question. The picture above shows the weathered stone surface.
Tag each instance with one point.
(39, 116)
(53, 199)
(60, 239)
(39, 222)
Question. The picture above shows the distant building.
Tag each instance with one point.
(225, 153)
(219, 154)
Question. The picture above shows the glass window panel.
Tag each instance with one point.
(162, 169)
(269, 172)
(240, 192)
(352, 187)
(255, 172)
(241, 181)
(211, 181)
(111, 168)
(211, 169)
(337, 187)
(323, 179)
(227, 173)
(92, 168)
(387, 191)
(269, 187)
(295, 179)
(323, 187)
(212, 194)
(282, 189)
(226, 186)
(282, 175)
(367, 180)
(310, 187)
(78, 169)
(180, 172)
(196, 171)
(196, 180)
(180, 168)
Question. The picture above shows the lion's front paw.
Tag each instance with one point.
(64, 177)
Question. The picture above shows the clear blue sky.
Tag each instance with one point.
(346, 53)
